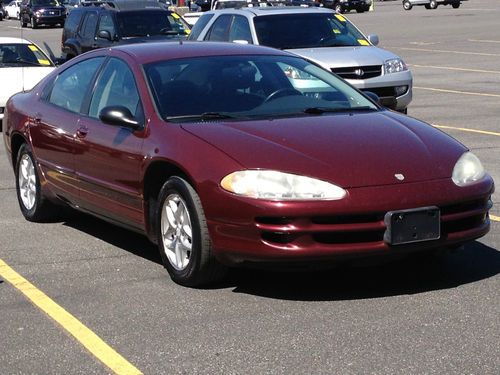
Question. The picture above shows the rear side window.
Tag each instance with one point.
(71, 86)
(199, 26)
(72, 22)
(220, 29)
(240, 30)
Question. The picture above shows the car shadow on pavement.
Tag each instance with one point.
(406, 276)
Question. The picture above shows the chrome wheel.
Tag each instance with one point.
(176, 231)
(27, 182)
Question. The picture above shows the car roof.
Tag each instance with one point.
(267, 11)
(145, 53)
(12, 40)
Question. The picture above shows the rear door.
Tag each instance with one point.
(55, 123)
(87, 31)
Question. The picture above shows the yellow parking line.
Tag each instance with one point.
(457, 91)
(448, 51)
(458, 69)
(466, 130)
(80, 332)
(494, 218)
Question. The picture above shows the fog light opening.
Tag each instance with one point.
(401, 90)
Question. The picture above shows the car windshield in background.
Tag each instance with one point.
(293, 31)
(137, 24)
(46, 2)
(22, 55)
(245, 87)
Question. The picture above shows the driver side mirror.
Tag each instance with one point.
(120, 116)
(104, 34)
(373, 39)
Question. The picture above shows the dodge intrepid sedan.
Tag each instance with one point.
(226, 155)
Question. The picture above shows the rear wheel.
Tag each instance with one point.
(183, 238)
(339, 8)
(427, 6)
(34, 24)
(23, 22)
(455, 5)
(34, 206)
(433, 4)
(407, 5)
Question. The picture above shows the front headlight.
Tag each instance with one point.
(467, 170)
(274, 185)
(394, 66)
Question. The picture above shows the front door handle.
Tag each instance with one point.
(82, 132)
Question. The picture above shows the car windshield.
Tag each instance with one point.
(46, 2)
(147, 23)
(307, 30)
(246, 87)
(22, 55)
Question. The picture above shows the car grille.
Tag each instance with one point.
(341, 230)
(358, 72)
(51, 13)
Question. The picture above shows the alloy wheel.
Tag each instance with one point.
(27, 182)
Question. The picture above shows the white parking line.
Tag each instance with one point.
(453, 68)
(447, 51)
(457, 92)
(483, 41)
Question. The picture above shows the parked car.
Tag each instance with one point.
(431, 4)
(41, 12)
(278, 160)
(12, 9)
(321, 35)
(22, 65)
(342, 6)
(92, 27)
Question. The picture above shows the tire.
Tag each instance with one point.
(360, 10)
(339, 8)
(407, 5)
(34, 25)
(34, 206)
(23, 23)
(183, 238)
(455, 5)
(433, 4)
(427, 6)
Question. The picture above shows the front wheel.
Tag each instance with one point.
(339, 8)
(455, 5)
(34, 24)
(23, 22)
(34, 206)
(183, 238)
(433, 4)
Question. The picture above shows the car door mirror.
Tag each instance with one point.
(374, 97)
(120, 116)
(373, 39)
(104, 34)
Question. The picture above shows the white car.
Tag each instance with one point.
(12, 9)
(22, 65)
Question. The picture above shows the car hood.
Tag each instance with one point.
(16, 79)
(350, 150)
(336, 57)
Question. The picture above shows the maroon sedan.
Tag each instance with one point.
(225, 154)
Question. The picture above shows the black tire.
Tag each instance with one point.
(201, 267)
(339, 8)
(433, 4)
(42, 210)
(23, 23)
(427, 6)
(360, 10)
(407, 5)
(455, 5)
(34, 25)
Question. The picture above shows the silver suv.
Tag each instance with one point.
(320, 35)
(431, 4)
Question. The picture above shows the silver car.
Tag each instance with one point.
(320, 35)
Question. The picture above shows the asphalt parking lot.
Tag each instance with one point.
(408, 317)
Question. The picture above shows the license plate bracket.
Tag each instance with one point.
(413, 225)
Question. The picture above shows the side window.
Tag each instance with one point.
(199, 26)
(89, 25)
(71, 86)
(116, 86)
(240, 30)
(72, 21)
(220, 29)
(106, 23)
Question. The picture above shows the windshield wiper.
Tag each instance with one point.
(21, 61)
(203, 116)
(321, 110)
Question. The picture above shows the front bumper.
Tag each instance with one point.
(50, 20)
(264, 231)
